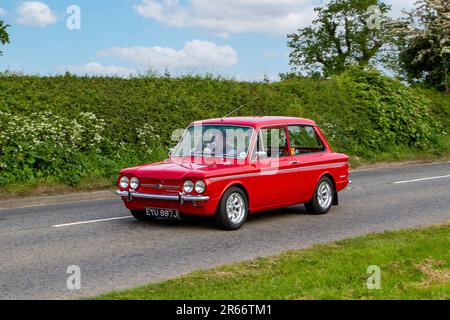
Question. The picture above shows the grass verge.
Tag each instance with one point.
(50, 187)
(395, 158)
(415, 264)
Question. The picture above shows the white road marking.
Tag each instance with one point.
(89, 221)
(422, 179)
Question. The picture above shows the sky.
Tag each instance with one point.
(242, 39)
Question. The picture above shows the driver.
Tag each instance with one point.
(210, 147)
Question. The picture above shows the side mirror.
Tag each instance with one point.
(171, 150)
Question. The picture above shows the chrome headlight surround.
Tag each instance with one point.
(124, 182)
(134, 183)
(188, 186)
(200, 186)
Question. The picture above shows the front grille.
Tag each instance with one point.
(161, 186)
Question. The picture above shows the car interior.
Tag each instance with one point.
(272, 142)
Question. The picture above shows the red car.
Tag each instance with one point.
(231, 167)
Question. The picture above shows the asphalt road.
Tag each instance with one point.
(38, 244)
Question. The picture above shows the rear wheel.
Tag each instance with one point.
(140, 215)
(233, 209)
(323, 197)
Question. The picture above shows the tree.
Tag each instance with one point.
(345, 32)
(4, 36)
(423, 37)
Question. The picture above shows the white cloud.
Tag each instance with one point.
(35, 13)
(195, 54)
(3, 12)
(97, 69)
(224, 17)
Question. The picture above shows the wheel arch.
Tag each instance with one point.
(333, 181)
(330, 176)
(239, 185)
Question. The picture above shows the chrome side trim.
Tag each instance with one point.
(323, 166)
(179, 197)
(271, 172)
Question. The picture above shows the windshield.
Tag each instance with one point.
(215, 140)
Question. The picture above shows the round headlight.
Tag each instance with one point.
(200, 186)
(188, 186)
(134, 183)
(124, 182)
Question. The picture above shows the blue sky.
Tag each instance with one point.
(245, 39)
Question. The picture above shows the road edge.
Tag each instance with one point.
(17, 203)
(397, 165)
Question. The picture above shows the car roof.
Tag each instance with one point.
(256, 121)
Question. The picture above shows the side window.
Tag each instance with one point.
(272, 142)
(304, 139)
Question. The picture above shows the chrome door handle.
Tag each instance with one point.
(294, 162)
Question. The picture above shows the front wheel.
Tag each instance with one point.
(323, 197)
(233, 209)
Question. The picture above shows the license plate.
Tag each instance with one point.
(171, 214)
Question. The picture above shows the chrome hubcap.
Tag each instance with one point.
(324, 195)
(236, 208)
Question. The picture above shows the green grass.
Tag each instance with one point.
(415, 264)
(399, 154)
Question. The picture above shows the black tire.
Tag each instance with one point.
(314, 205)
(222, 218)
(140, 215)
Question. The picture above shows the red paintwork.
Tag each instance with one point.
(264, 191)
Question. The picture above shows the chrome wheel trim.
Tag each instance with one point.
(324, 195)
(235, 208)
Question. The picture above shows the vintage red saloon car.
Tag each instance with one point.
(232, 167)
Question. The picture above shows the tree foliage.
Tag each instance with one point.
(423, 36)
(345, 32)
(4, 36)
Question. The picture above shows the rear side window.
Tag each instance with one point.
(304, 139)
(273, 142)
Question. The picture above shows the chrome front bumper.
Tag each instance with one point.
(181, 198)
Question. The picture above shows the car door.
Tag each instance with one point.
(276, 183)
(308, 150)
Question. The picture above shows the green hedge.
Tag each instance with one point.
(361, 112)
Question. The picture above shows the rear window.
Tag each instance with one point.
(304, 139)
